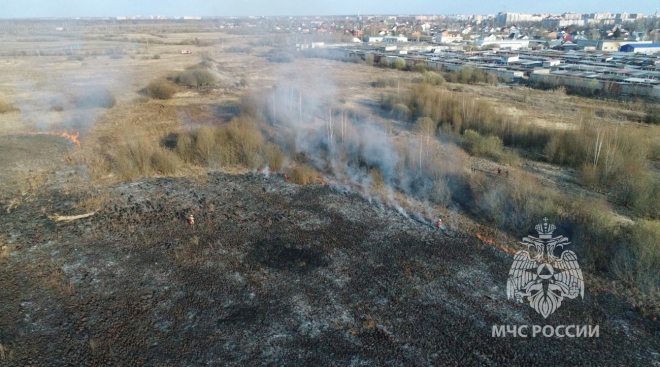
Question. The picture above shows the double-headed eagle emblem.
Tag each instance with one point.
(543, 279)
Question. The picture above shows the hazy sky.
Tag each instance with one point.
(71, 8)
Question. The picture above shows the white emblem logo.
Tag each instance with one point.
(545, 279)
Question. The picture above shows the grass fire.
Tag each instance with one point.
(73, 137)
(269, 200)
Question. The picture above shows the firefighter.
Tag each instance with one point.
(191, 219)
(439, 223)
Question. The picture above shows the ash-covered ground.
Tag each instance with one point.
(273, 274)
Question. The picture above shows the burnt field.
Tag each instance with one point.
(272, 273)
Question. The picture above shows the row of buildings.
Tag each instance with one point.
(613, 72)
(567, 19)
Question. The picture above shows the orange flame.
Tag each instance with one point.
(72, 137)
(320, 181)
(492, 242)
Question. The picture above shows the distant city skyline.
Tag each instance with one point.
(102, 8)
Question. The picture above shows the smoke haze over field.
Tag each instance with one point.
(71, 8)
(342, 139)
(71, 99)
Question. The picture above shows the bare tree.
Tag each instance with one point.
(426, 128)
(598, 147)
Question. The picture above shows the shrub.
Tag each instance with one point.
(384, 62)
(637, 261)
(7, 107)
(420, 68)
(652, 114)
(196, 77)
(385, 82)
(476, 144)
(399, 63)
(161, 89)
(274, 157)
(401, 112)
(433, 78)
(303, 175)
(155, 57)
(165, 162)
(132, 161)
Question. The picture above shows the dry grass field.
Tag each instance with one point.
(99, 233)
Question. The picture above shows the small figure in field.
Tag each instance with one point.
(506, 173)
(191, 219)
(438, 223)
(499, 170)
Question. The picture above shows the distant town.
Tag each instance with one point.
(616, 53)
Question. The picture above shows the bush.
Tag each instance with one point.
(433, 78)
(652, 114)
(155, 57)
(303, 175)
(240, 142)
(476, 144)
(420, 68)
(385, 82)
(196, 77)
(274, 157)
(638, 260)
(165, 162)
(384, 62)
(7, 107)
(161, 89)
(399, 63)
(132, 161)
(401, 112)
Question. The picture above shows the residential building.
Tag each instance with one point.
(448, 37)
(506, 43)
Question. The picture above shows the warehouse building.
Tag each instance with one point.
(648, 48)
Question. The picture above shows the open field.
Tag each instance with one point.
(98, 265)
